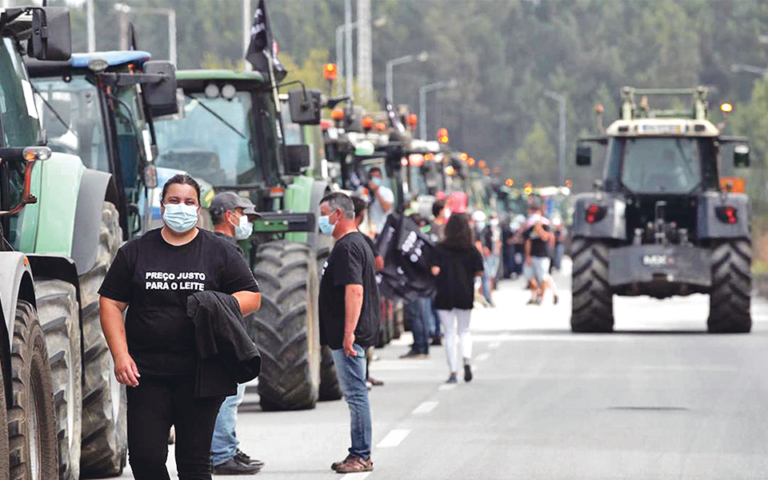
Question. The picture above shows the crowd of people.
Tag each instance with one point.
(189, 290)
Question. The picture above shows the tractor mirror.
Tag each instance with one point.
(51, 38)
(304, 105)
(161, 95)
(741, 156)
(296, 158)
(583, 155)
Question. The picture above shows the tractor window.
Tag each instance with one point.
(659, 165)
(129, 116)
(17, 105)
(213, 142)
(71, 116)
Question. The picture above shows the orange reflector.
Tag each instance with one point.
(276, 191)
(733, 184)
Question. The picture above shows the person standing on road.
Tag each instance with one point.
(349, 319)
(231, 215)
(154, 349)
(456, 265)
(537, 238)
(382, 200)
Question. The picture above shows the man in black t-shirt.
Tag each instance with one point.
(537, 235)
(231, 215)
(349, 319)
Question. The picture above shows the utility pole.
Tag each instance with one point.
(364, 46)
(348, 65)
(560, 99)
(247, 23)
(123, 25)
(423, 91)
(91, 26)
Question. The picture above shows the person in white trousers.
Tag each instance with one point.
(456, 264)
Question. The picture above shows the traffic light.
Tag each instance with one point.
(442, 135)
(330, 72)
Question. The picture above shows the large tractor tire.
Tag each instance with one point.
(32, 416)
(5, 468)
(104, 438)
(729, 299)
(59, 316)
(592, 307)
(329, 381)
(286, 328)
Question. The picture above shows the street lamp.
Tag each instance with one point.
(423, 91)
(742, 67)
(340, 31)
(560, 99)
(169, 12)
(421, 57)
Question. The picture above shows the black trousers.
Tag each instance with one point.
(155, 405)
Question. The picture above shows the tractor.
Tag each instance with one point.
(659, 222)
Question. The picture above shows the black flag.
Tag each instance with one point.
(262, 48)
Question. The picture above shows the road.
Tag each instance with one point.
(659, 399)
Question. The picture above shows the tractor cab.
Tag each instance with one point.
(100, 106)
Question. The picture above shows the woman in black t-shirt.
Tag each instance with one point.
(154, 348)
(457, 264)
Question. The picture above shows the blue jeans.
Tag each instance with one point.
(417, 311)
(434, 320)
(225, 443)
(351, 373)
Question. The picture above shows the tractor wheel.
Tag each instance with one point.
(729, 299)
(286, 328)
(5, 468)
(105, 441)
(32, 416)
(329, 382)
(59, 317)
(592, 307)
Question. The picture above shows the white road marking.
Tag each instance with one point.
(483, 357)
(356, 476)
(425, 407)
(445, 388)
(494, 345)
(393, 439)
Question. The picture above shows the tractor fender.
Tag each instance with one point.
(709, 226)
(95, 188)
(611, 226)
(15, 284)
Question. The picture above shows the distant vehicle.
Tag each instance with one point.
(660, 223)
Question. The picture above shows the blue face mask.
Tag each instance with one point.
(243, 229)
(325, 225)
(376, 181)
(180, 218)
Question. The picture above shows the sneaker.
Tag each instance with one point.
(355, 465)
(436, 342)
(467, 373)
(557, 299)
(335, 465)
(374, 382)
(414, 354)
(243, 457)
(452, 379)
(233, 467)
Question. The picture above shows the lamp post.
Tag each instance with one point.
(742, 67)
(560, 99)
(422, 57)
(169, 12)
(423, 91)
(340, 30)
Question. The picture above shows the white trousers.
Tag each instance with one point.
(454, 321)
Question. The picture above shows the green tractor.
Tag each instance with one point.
(63, 216)
(99, 107)
(230, 134)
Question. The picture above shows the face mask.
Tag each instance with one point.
(480, 225)
(376, 181)
(180, 218)
(243, 229)
(494, 222)
(326, 227)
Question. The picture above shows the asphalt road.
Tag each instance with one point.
(659, 399)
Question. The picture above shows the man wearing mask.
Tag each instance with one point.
(231, 215)
(349, 319)
(382, 200)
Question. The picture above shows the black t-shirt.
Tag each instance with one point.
(351, 263)
(155, 278)
(456, 281)
(538, 246)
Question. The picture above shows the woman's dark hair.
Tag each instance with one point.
(181, 179)
(438, 207)
(458, 233)
(360, 205)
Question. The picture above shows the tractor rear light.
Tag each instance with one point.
(727, 214)
(595, 213)
(276, 192)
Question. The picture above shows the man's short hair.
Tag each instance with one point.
(341, 201)
(360, 205)
(438, 207)
(374, 169)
